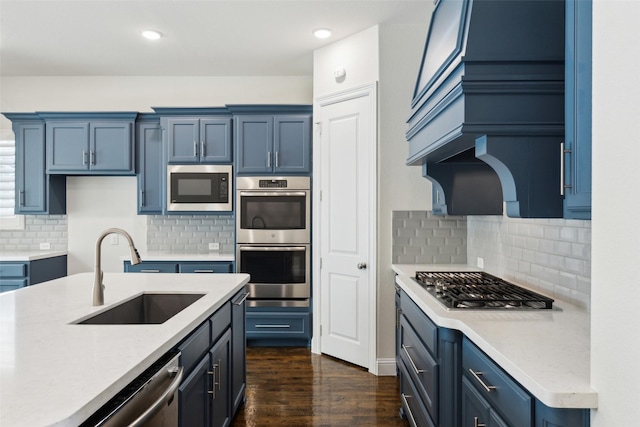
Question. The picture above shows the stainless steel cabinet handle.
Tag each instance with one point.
(242, 299)
(203, 271)
(563, 158)
(149, 271)
(84, 157)
(362, 265)
(202, 149)
(195, 148)
(276, 159)
(476, 375)
(273, 326)
(162, 400)
(92, 157)
(21, 198)
(268, 159)
(477, 424)
(413, 364)
(141, 197)
(212, 392)
(406, 403)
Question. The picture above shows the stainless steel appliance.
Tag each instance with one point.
(150, 400)
(273, 239)
(199, 188)
(273, 209)
(479, 290)
(280, 274)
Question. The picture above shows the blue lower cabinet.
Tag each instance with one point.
(446, 380)
(180, 267)
(18, 274)
(209, 356)
(278, 326)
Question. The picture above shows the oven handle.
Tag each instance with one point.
(272, 193)
(273, 248)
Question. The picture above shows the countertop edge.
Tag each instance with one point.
(581, 396)
(27, 256)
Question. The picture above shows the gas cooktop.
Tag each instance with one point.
(479, 290)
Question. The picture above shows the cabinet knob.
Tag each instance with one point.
(362, 266)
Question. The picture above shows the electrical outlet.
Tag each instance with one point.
(114, 239)
(480, 262)
(214, 246)
(45, 246)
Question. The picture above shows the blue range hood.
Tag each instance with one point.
(487, 118)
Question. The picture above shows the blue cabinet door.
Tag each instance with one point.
(30, 169)
(151, 176)
(111, 147)
(292, 144)
(215, 140)
(577, 149)
(193, 396)
(67, 146)
(183, 140)
(198, 140)
(220, 363)
(254, 144)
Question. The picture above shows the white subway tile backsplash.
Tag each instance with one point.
(190, 233)
(38, 229)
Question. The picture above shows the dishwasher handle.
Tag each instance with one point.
(164, 398)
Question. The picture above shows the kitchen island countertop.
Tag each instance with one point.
(546, 351)
(55, 372)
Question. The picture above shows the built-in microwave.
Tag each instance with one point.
(199, 188)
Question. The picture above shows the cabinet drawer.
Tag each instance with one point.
(411, 402)
(220, 321)
(424, 327)
(277, 325)
(151, 267)
(13, 270)
(505, 395)
(194, 347)
(10, 285)
(206, 267)
(422, 367)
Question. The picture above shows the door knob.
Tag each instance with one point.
(362, 265)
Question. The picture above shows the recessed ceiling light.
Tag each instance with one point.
(322, 33)
(152, 34)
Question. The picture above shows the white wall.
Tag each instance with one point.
(389, 54)
(615, 317)
(96, 203)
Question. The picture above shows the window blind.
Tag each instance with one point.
(7, 177)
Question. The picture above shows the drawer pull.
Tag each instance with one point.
(476, 375)
(244, 297)
(406, 403)
(203, 271)
(477, 424)
(273, 326)
(149, 271)
(413, 364)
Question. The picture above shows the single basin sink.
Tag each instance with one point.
(145, 309)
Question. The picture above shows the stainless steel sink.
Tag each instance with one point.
(145, 309)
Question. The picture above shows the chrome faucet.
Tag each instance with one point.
(98, 286)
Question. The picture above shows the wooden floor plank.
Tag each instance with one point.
(292, 387)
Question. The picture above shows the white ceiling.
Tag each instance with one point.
(201, 38)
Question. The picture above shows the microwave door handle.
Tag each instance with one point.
(273, 248)
(272, 193)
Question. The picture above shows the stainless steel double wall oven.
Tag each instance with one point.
(273, 235)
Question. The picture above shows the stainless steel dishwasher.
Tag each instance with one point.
(150, 400)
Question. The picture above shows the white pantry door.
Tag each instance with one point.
(347, 225)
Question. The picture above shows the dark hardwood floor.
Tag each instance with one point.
(293, 387)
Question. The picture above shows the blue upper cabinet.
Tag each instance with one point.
(151, 166)
(90, 143)
(577, 146)
(272, 139)
(36, 192)
(197, 135)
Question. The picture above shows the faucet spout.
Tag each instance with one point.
(98, 286)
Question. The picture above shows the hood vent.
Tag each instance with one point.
(487, 117)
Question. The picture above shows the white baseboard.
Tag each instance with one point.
(386, 367)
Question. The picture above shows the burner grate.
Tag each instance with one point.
(479, 290)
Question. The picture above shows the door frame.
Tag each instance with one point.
(369, 90)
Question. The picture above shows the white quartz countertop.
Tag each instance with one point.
(167, 256)
(54, 372)
(546, 351)
(29, 255)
